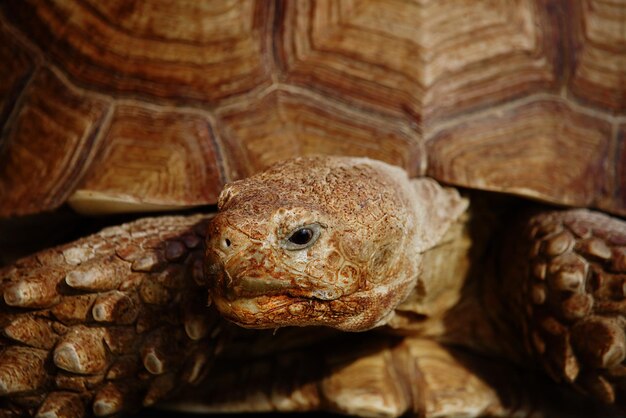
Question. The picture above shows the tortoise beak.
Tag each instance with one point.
(249, 287)
(240, 277)
(235, 285)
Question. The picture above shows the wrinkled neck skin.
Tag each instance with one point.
(372, 227)
(458, 299)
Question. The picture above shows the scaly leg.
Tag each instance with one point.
(571, 305)
(377, 375)
(108, 323)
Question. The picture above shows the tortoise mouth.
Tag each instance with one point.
(256, 299)
(253, 296)
(282, 310)
(234, 280)
(256, 311)
(266, 312)
(266, 302)
(250, 287)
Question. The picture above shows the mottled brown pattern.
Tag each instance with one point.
(366, 212)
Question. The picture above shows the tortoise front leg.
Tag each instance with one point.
(108, 323)
(376, 375)
(568, 282)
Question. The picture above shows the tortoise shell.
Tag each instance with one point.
(161, 103)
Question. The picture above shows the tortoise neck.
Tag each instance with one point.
(454, 300)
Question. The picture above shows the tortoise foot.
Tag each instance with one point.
(575, 300)
(106, 324)
(372, 375)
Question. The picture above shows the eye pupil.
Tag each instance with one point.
(301, 236)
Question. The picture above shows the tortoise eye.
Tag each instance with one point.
(303, 237)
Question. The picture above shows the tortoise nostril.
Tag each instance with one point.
(225, 243)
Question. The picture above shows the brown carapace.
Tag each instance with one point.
(116, 106)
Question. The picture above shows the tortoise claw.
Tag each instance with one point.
(62, 405)
(21, 370)
(367, 375)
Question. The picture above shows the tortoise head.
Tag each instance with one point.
(321, 241)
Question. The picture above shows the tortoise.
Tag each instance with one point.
(157, 105)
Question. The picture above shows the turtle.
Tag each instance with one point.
(159, 105)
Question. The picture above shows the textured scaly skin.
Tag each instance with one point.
(375, 227)
(409, 218)
(373, 374)
(120, 318)
(108, 323)
(566, 280)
